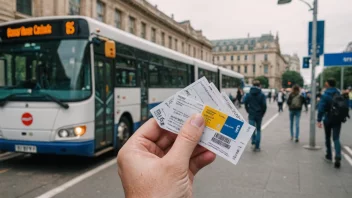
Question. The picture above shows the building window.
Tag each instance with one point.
(265, 57)
(238, 58)
(183, 47)
(201, 54)
(266, 69)
(194, 52)
(100, 11)
(245, 57)
(170, 42)
(189, 50)
(153, 35)
(143, 30)
(254, 57)
(224, 58)
(176, 45)
(232, 58)
(231, 67)
(239, 69)
(132, 25)
(118, 19)
(24, 6)
(74, 7)
(162, 38)
(254, 69)
(245, 69)
(218, 58)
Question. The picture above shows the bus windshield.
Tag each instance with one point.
(60, 68)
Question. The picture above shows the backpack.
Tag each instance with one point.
(339, 110)
(296, 102)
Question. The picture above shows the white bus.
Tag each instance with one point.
(71, 85)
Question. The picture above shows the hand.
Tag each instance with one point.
(158, 163)
(319, 125)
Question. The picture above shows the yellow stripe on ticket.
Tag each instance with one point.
(214, 119)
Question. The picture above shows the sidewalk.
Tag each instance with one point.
(282, 169)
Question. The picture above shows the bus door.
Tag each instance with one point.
(104, 101)
(143, 68)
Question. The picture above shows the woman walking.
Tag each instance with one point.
(295, 102)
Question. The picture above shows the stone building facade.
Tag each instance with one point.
(252, 57)
(293, 62)
(135, 16)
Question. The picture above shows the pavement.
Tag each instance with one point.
(282, 169)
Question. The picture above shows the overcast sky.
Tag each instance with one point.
(221, 19)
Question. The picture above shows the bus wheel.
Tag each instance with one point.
(123, 133)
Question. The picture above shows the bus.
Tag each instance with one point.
(71, 85)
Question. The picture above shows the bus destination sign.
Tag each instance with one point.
(29, 31)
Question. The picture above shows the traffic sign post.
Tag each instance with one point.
(320, 34)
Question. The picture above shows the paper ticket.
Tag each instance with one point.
(224, 135)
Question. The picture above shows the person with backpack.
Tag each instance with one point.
(255, 105)
(334, 109)
(295, 102)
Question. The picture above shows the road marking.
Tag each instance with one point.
(7, 156)
(76, 180)
(269, 121)
(4, 171)
(347, 158)
(348, 150)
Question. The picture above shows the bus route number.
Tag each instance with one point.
(70, 27)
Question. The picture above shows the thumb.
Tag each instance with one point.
(187, 140)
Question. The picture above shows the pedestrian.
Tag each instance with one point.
(269, 96)
(295, 102)
(157, 163)
(333, 110)
(255, 104)
(239, 97)
(350, 96)
(318, 97)
(280, 99)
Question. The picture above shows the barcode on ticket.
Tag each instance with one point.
(221, 140)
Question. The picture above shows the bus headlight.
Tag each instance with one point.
(72, 132)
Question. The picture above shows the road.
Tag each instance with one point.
(257, 175)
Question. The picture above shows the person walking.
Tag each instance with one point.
(239, 97)
(295, 102)
(269, 96)
(255, 105)
(280, 100)
(333, 108)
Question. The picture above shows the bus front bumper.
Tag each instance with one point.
(59, 148)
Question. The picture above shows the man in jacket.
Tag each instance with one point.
(255, 104)
(329, 126)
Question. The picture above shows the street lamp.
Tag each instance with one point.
(311, 145)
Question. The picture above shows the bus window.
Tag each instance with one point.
(154, 79)
(2, 72)
(126, 73)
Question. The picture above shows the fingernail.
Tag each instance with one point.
(198, 121)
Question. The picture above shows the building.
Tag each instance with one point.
(252, 57)
(293, 62)
(135, 16)
(349, 47)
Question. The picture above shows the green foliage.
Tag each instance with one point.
(264, 81)
(293, 77)
(335, 72)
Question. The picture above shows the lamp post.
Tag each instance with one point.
(311, 145)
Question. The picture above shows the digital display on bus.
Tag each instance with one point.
(62, 28)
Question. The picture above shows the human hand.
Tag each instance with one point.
(158, 163)
(319, 125)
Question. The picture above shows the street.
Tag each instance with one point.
(282, 169)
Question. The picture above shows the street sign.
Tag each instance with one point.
(306, 62)
(320, 38)
(338, 59)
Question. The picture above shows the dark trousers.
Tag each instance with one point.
(333, 129)
(280, 104)
(257, 123)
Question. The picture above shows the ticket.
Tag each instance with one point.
(224, 134)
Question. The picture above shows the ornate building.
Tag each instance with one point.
(135, 16)
(293, 62)
(252, 57)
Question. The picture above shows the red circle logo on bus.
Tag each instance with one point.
(27, 119)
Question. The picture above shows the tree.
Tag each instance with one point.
(264, 81)
(335, 72)
(290, 78)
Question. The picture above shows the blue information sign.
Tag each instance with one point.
(320, 38)
(338, 59)
(306, 62)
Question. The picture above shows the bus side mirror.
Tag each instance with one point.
(110, 49)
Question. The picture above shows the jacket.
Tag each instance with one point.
(303, 102)
(255, 103)
(325, 102)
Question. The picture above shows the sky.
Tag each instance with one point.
(222, 19)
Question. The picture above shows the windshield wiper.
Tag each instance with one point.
(50, 97)
(9, 97)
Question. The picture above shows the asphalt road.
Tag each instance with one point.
(29, 176)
